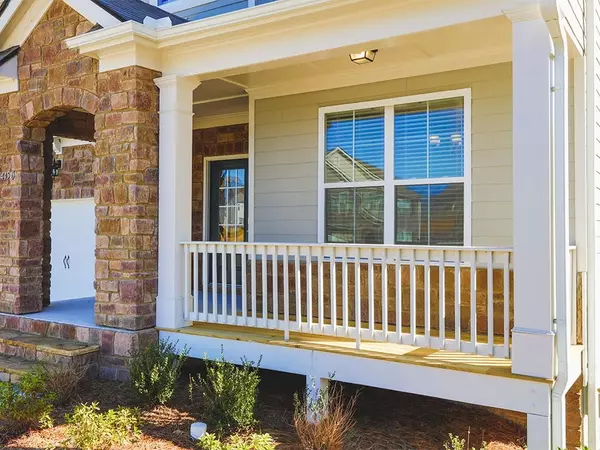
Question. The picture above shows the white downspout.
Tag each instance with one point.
(559, 147)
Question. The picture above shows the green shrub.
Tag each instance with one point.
(154, 370)
(456, 443)
(237, 442)
(89, 429)
(228, 393)
(26, 404)
(63, 380)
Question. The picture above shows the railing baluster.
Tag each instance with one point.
(490, 299)
(320, 286)
(345, 305)
(357, 314)
(457, 300)
(205, 282)
(442, 299)
(244, 285)
(298, 281)
(275, 284)
(413, 299)
(427, 276)
(215, 283)
(196, 285)
(332, 293)
(309, 293)
(474, 300)
(265, 291)
(233, 257)
(186, 280)
(384, 295)
(371, 287)
(286, 294)
(398, 270)
(507, 306)
(253, 282)
(224, 282)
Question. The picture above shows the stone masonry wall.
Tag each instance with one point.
(115, 345)
(221, 141)
(54, 81)
(76, 178)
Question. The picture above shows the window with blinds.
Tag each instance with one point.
(400, 163)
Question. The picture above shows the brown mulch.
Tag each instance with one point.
(384, 421)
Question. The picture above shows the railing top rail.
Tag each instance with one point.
(358, 246)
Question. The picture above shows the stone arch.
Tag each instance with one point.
(55, 81)
(60, 116)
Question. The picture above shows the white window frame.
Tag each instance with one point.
(389, 182)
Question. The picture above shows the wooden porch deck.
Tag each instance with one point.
(385, 351)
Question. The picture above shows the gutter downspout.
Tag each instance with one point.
(559, 147)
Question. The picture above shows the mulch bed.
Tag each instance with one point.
(384, 420)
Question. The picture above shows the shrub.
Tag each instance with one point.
(323, 418)
(456, 443)
(228, 393)
(154, 370)
(26, 404)
(89, 429)
(63, 380)
(237, 442)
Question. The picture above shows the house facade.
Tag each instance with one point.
(401, 193)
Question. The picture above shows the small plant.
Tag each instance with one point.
(456, 443)
(237, 442)
(154, 370)
(89, 429)
(228, 393)
(26, 404)
(323, 418)
(63, 380)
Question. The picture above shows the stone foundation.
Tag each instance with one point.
(115, 345)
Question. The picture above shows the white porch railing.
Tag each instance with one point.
(394, 294)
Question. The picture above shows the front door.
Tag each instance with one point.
(228, 209)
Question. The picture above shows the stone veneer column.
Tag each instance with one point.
(126, 169)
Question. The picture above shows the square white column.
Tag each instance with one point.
(533, 336)
(174, 195)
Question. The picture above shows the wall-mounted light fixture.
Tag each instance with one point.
(56, 166)
(364, 57)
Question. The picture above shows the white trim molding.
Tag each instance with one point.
(389, 182)
(206, 189)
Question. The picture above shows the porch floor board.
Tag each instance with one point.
(405, 354)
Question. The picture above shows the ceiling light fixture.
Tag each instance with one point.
(364, 57)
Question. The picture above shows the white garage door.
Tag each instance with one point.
(73, 237)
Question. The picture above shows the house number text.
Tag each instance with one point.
(8, 175)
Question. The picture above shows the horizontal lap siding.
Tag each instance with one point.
(286, 132)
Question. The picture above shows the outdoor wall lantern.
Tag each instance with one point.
(56, 166)
(364, 57)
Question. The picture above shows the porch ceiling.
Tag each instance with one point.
(461, 46)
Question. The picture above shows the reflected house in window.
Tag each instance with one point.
(341, 167)
(232, 206)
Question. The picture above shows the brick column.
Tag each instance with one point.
(126, 170)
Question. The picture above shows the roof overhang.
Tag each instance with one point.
(271, 34)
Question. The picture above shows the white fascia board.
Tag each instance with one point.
(94, 13)
(514, 394)
(9, 12)
(124, 45)
(8, 84)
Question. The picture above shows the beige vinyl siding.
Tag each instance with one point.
(286, 151)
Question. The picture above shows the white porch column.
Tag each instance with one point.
(533, 336)
(175, 194)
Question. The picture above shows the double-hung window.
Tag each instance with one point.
(396, 171)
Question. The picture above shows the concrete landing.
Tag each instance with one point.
(78, 312)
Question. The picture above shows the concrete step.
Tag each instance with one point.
(12, 367)
(32, 347)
